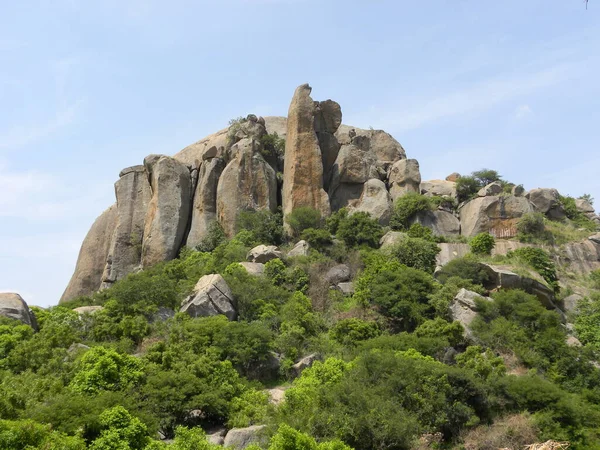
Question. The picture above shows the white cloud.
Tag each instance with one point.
(523, 111)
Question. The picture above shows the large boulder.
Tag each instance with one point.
(133, 194)
(212, 146)
(546, 201)
(92, 257)
(494, 188)
(442, 223)
(338, 274)
(248, 183)
(385, 149)
(253, 268)
(264, 253)
(585, 207)
(500, 277)
(212, 296)
(376, 201)
(13, 306)
(464, 308)
(497, 215)
(204, 212)
(391, 238)
(303, 165)
(169, 209)
(240, 438)
(302, 248)
(304, 363)
(404, 177)
(438, 188)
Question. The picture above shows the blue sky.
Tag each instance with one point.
(90, 87)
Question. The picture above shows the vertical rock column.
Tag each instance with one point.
(303, 166)
(169, 209)
(133, 196)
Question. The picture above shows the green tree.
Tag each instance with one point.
(407, 206)
(303, 218)
(482, 244)
(121, 431)
(417, 253)
(359, 229)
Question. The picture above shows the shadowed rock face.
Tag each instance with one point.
(92, 256)
(303, 166)
(14, 307)
(133, 197)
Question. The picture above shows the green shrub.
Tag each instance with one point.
(417, 230)
(595, 278)
(466, 188)
(360, 229)
(438, 327)
(303, 218)
(407, 206)
(482, 244)
(587, 321)
(265, 226)
(332, 223)
(467, 268)
(273, 145)
(482, 362)
(349, 332)
(541, 261)
(317, 238)
(417, 253)
(532, 228)
(215, 236)
(29, 435)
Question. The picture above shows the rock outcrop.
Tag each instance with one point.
(264, 253)
(212, 296)
(169, 209)
(133, 194)
(240, 438)
(13, 306)
(546, 201)
(376, 201)
(248, 183)
(204, 210)
(303, 166)
(404, 177)
(442, 223)
(92, 256)
(497, 215)
(439, 188)
(464, 308)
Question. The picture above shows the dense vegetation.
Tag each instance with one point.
(394, 371)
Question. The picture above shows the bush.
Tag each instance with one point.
(360, 229)
(467, 188)
(215, 236)
(349, 332)
(332, 223)
(482, 244)
(317, 238)
(541, 261)
(417, 230)
(273, 145)
(417, 253)
(407, 206)
(467, 268)
(303, 218)
(265, 226)
(532, 228)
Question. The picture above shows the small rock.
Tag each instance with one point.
(304, 363)
(212, 296)
(300, 249)
(494, 188)
(346, 288)
(276, 395)
(572, 341)
(240, 438)
(88, 309)
(338, 274)
(264, 253)
(518, 191)
(253, 268)
(453, 177)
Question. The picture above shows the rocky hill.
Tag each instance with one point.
(314, 161)
(292, 283)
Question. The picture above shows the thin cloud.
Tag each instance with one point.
(523, 111)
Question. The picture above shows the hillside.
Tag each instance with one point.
(292, 283)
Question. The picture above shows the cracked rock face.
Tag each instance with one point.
(212, 296)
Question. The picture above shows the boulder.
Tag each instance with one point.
(546, 201)
(494, 188)
(391, 238)
(580, 257)
(276, 395)
(304, 363)
(385, 149)
(497, 215)
(212, 296)
(92, 257)
(161, 315)
(217, 437)
(264, 253)
(204, 211)
(88, 309)
(438, 188)
(300, 249)
(240, 438)
(13, 306)
(442, 223)
(376, 201)
(518, 191)
(303, 165)
(338, 274)
(454, 176)
(346, 288)
(500, 277)
(451, 251)
(464, 308)
(570, 303)
(595, 238)
(253, 268)
(133, 194)
(212, 146)
(248, 183)
(404, 177)
(572, 341)
(585, 207)
(168, 210)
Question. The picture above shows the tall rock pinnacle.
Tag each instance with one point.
(303, 166)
